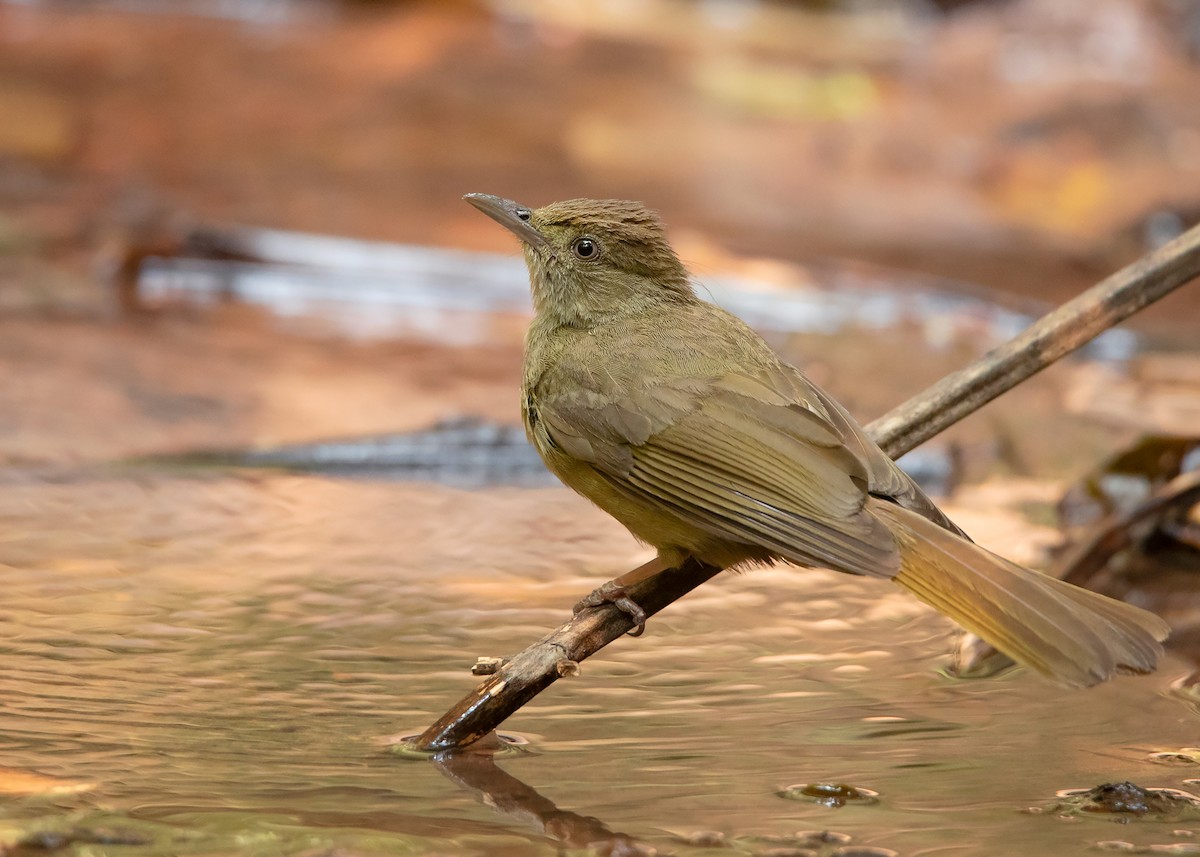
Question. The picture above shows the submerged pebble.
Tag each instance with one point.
(57, 839)
(829, 794)
(704, 839)
(806, 843)
(824, 837)
(1182, 756)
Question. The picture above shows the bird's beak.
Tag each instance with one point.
(513, 216)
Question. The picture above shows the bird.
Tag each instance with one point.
(677, 419)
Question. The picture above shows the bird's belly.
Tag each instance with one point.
(650, 523)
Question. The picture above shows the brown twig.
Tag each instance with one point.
(1117, 532)
(914, 422)
(536, 668)
(1060, 332)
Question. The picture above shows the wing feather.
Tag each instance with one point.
(736, 457)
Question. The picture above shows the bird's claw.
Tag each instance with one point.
(618, 596)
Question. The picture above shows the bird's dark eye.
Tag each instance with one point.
(585, 248)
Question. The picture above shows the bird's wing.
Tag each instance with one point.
(884, 478)
(744, 456)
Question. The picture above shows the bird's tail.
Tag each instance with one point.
(1071, 635)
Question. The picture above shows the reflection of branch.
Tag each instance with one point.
(505, 793)
(948, 401)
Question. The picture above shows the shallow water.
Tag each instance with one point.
(218, 663)
(202, 662)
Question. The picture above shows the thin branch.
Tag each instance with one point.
(554, 656)
(1117, 532)
(909, 425)
(1058, 333)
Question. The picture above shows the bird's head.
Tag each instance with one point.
(592, 260)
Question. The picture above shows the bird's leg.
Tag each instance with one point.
(616, 592)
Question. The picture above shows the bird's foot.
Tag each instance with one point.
(617, 595)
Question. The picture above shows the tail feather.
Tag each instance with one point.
(1071, 635)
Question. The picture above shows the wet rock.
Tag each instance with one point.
(817, 838)
(1121, 846)
(1182, 756)
(806, 843)
(704, 839)
(54, 840)
(1126, 800)
(1129, 797)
